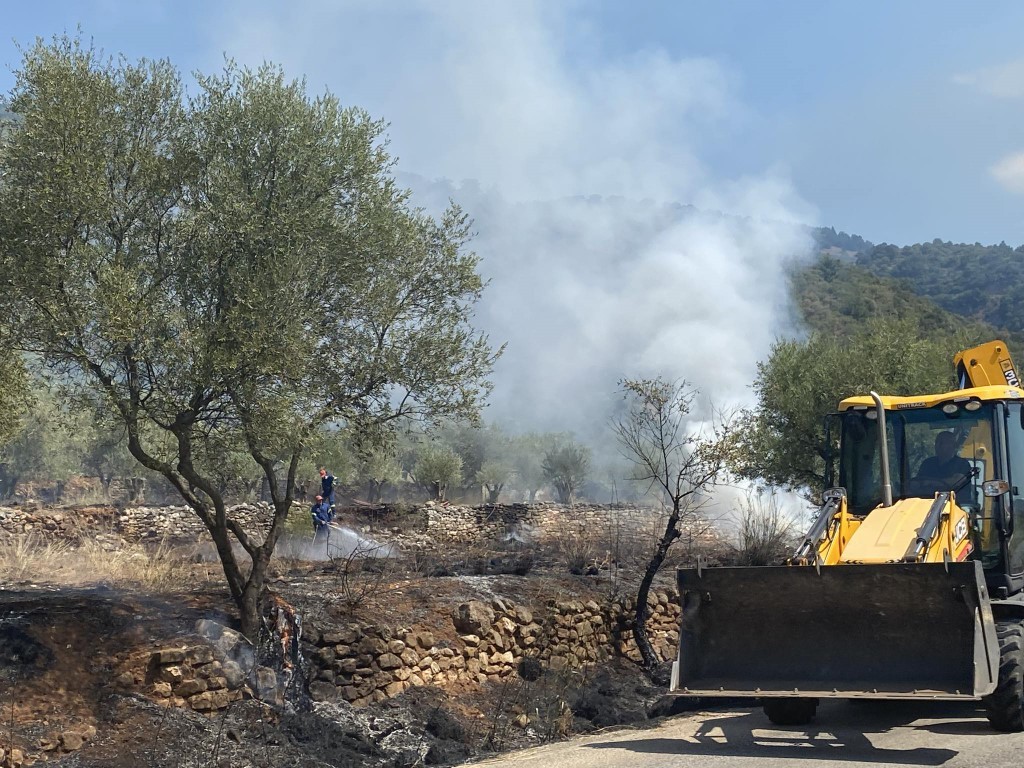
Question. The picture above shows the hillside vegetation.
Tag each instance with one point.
(836, 296)
(981, 282)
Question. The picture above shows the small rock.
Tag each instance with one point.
(389, 661)
(323, 691)
(168, 656)
(71, 741)
(190, 688)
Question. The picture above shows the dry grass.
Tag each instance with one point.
(31, 558)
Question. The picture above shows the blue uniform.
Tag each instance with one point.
(322, 515)
(327, 488)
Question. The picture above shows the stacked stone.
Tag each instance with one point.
(365, 664)
(153, 523)
(459, 524)
(664, 615)
(631, 524)
(131, 523)
(57, 524)
(193, 677)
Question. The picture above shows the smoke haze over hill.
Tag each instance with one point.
(585, 290)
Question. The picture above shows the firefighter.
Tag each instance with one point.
(327, 486)
(322, 515)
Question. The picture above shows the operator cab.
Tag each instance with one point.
(968, 441)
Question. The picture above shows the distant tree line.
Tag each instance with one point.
(49, 443)
(978, 282)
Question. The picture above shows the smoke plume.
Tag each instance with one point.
(613, 249)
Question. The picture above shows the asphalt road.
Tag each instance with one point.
(846, 734)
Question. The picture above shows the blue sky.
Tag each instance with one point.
(900, 121)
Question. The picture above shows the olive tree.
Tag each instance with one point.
(566, 467)
(527, 459)
(493, 475)
(236, 262)
(675, 454)
(437, 468)
(15, 396)
(377, 467)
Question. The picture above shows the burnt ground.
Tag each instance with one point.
(72, 663)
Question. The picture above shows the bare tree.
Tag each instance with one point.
(679, 457)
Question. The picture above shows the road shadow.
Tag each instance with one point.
(841, 732)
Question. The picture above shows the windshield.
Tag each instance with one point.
(929, 451)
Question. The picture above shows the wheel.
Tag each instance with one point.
(790, 711)
(1005, 705)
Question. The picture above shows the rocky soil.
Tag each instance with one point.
(489, 658)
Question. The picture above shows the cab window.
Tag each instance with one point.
(1015, 456)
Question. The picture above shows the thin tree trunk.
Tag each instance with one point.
(643, 642)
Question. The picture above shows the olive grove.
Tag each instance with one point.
(227, 273)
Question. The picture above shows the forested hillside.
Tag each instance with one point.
(836, 296)
(948, 288)
(976, 281)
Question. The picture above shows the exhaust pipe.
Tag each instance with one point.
(883, 451)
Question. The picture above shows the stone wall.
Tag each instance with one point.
(193, 677)
(618, 528)
(130, 523)
(363, 663)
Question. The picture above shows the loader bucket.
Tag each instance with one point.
(902, 630)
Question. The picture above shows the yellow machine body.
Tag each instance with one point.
(888, 603)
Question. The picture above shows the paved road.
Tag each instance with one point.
(845, 734)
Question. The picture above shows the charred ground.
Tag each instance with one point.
(73, 666)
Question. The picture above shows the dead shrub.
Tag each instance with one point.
(765, 532)
(577, 550)
(34, 558)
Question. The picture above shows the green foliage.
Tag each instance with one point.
(827, 239)
(566, 467)
(35, 452)
(782, 441)
(105, 454)
(14, 394)
(836, 297)
(437, 468)
(230, 271)
(376, 468)
(984, 283)
(493, 475)
(526, 457)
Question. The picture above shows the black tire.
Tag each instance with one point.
(1005, 705)
(790, 711)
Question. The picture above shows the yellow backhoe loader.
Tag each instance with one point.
(910, 582)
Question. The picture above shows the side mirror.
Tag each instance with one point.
(995, 488)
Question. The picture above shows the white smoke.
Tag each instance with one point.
(579, 162)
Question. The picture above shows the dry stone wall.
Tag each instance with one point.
(193, 677)
(619, 528)
(625, 526)
(130, 523)
(363, 664)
